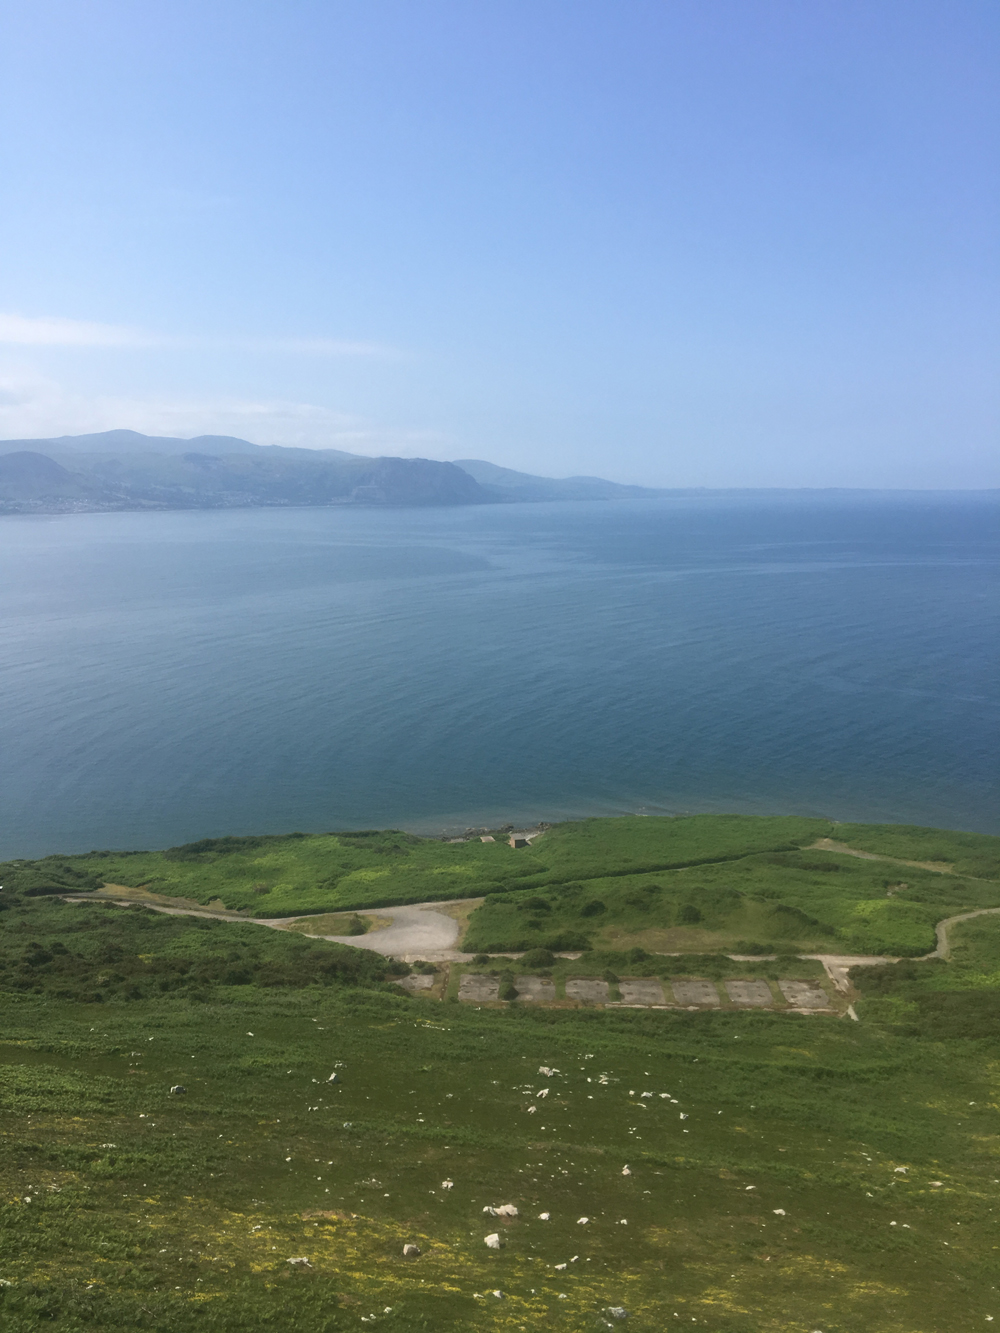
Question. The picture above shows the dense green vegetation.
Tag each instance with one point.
(708, 883)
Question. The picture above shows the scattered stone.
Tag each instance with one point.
(560, 1267)
(900, 1170)
(493, 1242)
(334, 1078)
(178, 1090)
(301, 1262)
(544, 1069)
(411, 1251)
(506, 1210)
(544, 1217)
(778, 1212)
(582, 1221)
(499, 1295)
(626, 1171)
(695, 990)
(618, 1312)
(447, 1184)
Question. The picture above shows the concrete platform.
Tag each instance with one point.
(753, 993)
(478, 989)
(804, 994)
(587, 990)
(641, 990)
(695, 990)
(536, 990)
(418, 981)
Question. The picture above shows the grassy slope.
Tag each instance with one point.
(150, 1211)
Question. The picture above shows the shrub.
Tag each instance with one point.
(508, 991)
(538, 958)
(594, 908)
(689, 915)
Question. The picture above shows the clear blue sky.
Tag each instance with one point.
(682, 242)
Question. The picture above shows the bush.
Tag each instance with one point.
(689, 915)
(508, 991)
(570, 941)
(481, 958)
(538, 958)
(594, 908)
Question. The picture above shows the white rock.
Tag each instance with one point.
(623, 1221)
(300, 1262)
(626, 1171)
(447, 1184)
(491, 1211)
(778, 1212)
(544, 1217)
(506, 1210)
(560, 1267)
(411, 1251)
(334, 1078)
(499, 1295)
(532, 1110)
(683, 1115)
(493, 1242)
(582, 1221)
(901, 1170)
(544, 1092)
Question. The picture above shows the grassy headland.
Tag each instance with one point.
(785, 1172)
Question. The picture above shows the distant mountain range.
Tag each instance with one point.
(121, 469)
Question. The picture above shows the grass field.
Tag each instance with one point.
(763, 1191)
(706, 883)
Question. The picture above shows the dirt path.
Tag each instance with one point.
(828, 845)
(416, 931)
(943, 949)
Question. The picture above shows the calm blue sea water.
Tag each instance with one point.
(171, 676)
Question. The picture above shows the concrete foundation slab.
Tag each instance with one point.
(804, 994)
(416, 982)
(536, 990)
(694, 990)
(478, 989)
(587, 990)
(641, 990)
(755, 993)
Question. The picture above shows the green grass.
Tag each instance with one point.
(156, 1211)
(710, 883)
(801, 900)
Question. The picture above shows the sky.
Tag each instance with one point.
(673, 242)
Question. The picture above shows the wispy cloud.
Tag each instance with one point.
(57, 331)
(54, 331)
(33, 406)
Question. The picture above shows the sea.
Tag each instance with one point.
(171, 676)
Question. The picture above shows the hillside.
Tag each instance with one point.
(123, 469)
(744, 1171)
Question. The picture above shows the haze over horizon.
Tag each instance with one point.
(668, 244)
